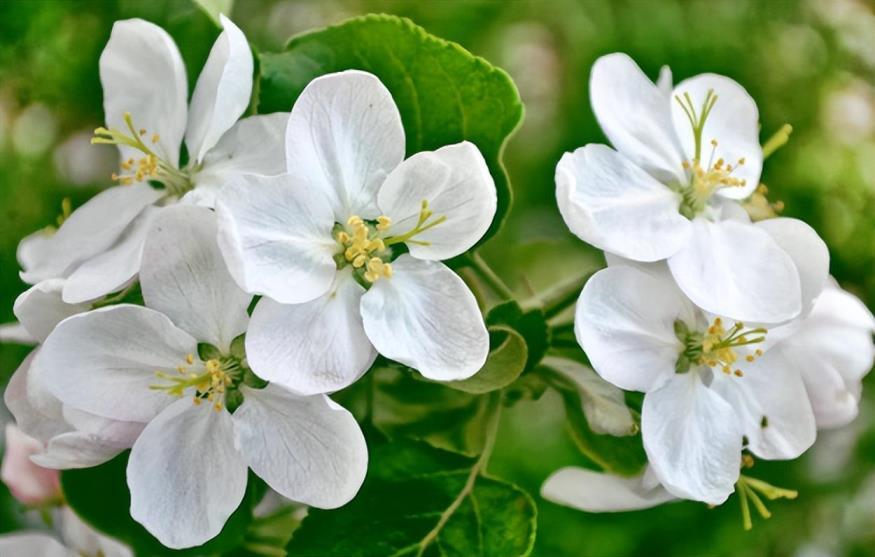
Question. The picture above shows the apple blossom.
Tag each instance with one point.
(79, 540)
(669, 191)
(97, 248)
(346, 246)
(178, 366)
(29, 483)
(598, 492)
(708, 381)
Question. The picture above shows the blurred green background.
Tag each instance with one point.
(808, 63)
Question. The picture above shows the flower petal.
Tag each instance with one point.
(603, 404)
(612, 204)
(184, 277)
(37, 412)
(635, 115)
(104, 361)
(808, 252)
(737, 270)
(87, 540)
(625, 321)
(222, 92)
(427, 318)
(456, 183)
(308, 449)
(113, 269)
(599, 492)
(344, 138)
(15, 333)
(29, 483)
(276, 238)
(692, 439)
(772, 404)
(74, 449)
(90, 230)
(315, 347)
(142, 72)
(33, 543)
(40, 308)
(734, 122)
(185, 475)
(254, 145)
(833, 350)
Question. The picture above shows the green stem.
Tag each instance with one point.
(778, 140)
(556, 300)
(488, 276)
(479, 468)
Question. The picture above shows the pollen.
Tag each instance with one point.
(720, 346)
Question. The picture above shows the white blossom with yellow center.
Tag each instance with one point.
(145, 90)
(174, 366)
(346, 247)
(684, 158)
(709, 381)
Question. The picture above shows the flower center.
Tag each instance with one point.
(705, 179)
(150, 166)
(366, 245)
(717, 346)
(216, 379)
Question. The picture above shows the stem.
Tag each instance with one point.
(557, 299)
(479, 468)
(117, 297)
(745, 506)
(488, 276)
(778, 140)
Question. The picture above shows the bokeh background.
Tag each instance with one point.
(809, 63)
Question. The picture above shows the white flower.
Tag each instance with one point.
(69, 437)
(97, 249)
(80, 540)
(708, 381)
(599, 492)
(669, 190)
(833, 350)
(347, 245)
(188, 469)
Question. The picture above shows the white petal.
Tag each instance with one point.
(29, 483)
(90, 230)
(771, 401)
(314, 347)
(184, 277)
(833, 350)
(74, 450)
(40, 308)
(692, 439)
(737, 270)
(185, 474)
(36, 544)
(15, 333)
(427, 318)
(457, 185)
(276, 238)
(37, 412)
(635, 115)
(612, 204)
(113, 269)
(344, 138)
(734, 122)
(86, 539)
(808, 252)
(142, 73)
(35, 248)
(308, 449)
(603, 404)
(253, 145)
(222, 92)
(104, 361)
(625, 321)
(665, 81)
(598, 492)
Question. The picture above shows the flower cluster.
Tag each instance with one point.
(732, 328)
(275, 257)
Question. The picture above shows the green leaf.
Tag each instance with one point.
(101, 498)
(444, 93)
(505, 363)
(215, 7)
(531, 325)
(418, 500)
(406, 406)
